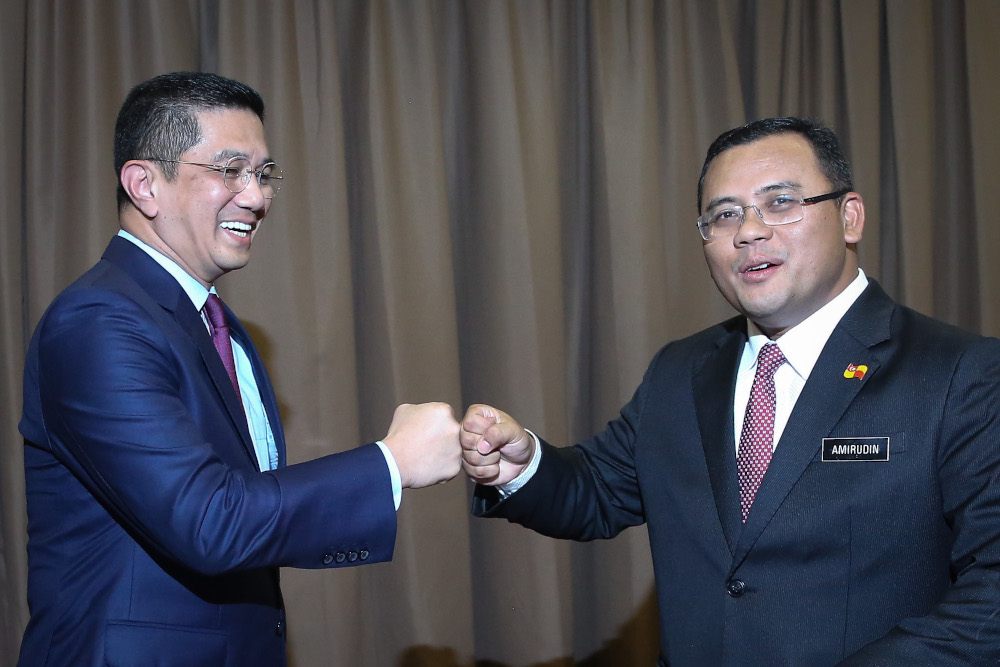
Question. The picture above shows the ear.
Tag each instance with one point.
(139, 180)
(853, 210)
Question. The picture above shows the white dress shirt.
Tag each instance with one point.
(801, 345)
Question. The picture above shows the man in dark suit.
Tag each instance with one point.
(820, 476)
(159, 503)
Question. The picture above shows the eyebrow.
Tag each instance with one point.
(780, 185)
(771, 187)
(227, 153)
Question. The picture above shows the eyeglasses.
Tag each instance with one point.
(774, 209)
(236, 173)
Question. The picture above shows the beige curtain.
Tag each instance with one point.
(489, 201)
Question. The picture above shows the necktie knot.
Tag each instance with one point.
(215, 312)
(769, 360)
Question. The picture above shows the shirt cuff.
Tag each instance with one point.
(526, 474)
(397, 484)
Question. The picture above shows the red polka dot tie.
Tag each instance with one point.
(757, 439)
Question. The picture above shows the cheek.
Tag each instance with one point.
(823, 256)
(717, 260)
(719, 268)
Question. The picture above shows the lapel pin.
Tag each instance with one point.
(854, 371)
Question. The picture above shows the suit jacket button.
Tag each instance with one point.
(352, 556)
(280, 630)
(363, 554)
(341, 557)
(327, 559)
(735, 588)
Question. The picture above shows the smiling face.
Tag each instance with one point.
(779, 276)
(194, 219)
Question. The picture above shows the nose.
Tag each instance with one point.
(251, 197)
(752, 228)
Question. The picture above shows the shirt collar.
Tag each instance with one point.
(194, 289)
(803, 343)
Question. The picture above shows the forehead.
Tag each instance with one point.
(777, 158)
(229, 132)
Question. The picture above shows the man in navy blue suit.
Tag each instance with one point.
(820, 476)
(160, 506)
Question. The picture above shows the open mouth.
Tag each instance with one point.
(759, 267)
(241, 229)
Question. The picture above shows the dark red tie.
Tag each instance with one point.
(757, 438)
(220, 336)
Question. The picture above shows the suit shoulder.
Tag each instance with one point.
(931, 332)
(705, 340)
(103, 285)
(936, 347)
(691, 351)
(99, 304)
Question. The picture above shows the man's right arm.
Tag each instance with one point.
(584, 492)
(123, 404)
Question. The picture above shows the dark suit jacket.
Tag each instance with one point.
(153, 537)
(868, 562)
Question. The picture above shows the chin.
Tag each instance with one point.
(762, 317)
(234, 264)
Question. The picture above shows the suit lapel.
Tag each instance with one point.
(714, 407)
(192, 323)
(825, 398)
(166, 291)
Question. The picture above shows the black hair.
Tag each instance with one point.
(158, 117)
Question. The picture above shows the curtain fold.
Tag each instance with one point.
(489, 202)
(14, 332)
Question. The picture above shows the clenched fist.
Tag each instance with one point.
(423, 440)
(495, 448)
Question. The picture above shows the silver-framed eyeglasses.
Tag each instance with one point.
(237, 171)
(773, 209)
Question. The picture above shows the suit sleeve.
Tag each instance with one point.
(130, 420)
(584, 492)
(964, 628)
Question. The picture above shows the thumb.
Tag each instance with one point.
(503, 433)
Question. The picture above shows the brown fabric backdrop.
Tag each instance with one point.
(489, 201)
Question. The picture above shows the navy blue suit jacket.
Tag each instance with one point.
(888, 562)
(153, 537)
